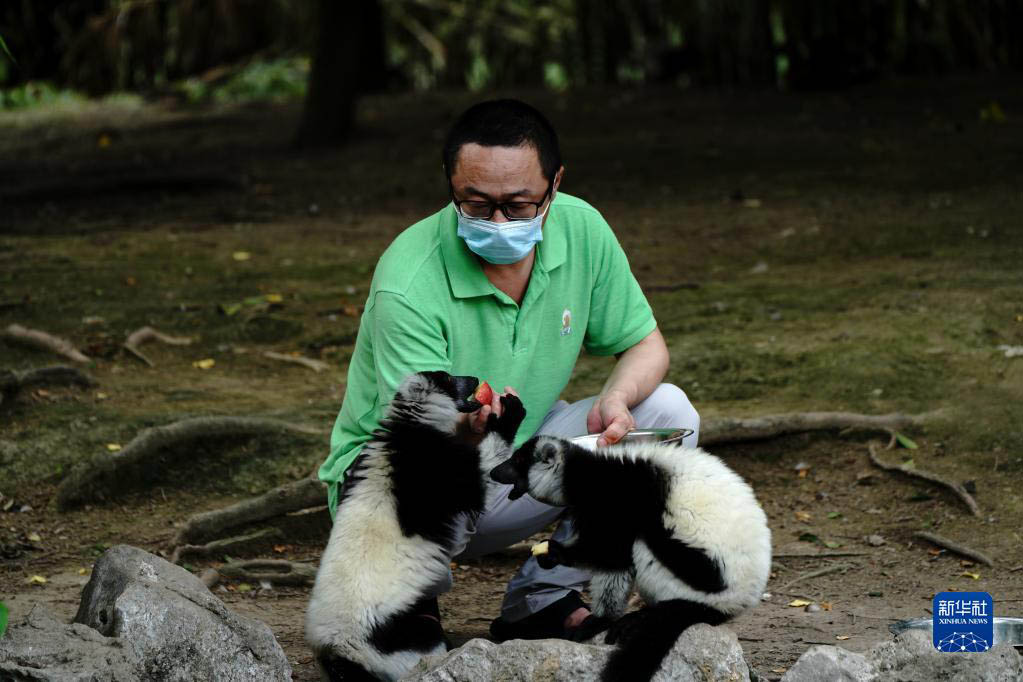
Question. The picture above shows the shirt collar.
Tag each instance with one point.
(464, 271)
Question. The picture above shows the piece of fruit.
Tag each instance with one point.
(541, 548)
(484, 394)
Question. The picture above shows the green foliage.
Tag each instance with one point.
(276, 80)
(3, 618)
(36, 94)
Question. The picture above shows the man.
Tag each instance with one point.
(508, 283)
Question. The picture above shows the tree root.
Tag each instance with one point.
(729, 430)
(285, 499)
(913, 472)
(12, 382)
(218, 548)
(105, 476)
(961, 550)
(40, 339)
(144, 334)
(257, 570)
(315, 365)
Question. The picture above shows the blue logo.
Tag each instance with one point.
(963, 621)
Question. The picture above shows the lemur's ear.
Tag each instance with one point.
(547, 452)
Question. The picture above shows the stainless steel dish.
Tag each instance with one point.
(638, 436)
(1006, 629)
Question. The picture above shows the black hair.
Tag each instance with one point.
(504, 123)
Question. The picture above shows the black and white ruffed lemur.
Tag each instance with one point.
(676, 523)
(393, 533)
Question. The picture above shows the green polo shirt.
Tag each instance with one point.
(430, 307)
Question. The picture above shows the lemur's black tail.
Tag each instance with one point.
(645, 637)
(340, 669)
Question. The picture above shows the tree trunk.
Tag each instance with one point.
(348, 49)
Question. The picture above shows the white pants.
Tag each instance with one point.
(506, 522)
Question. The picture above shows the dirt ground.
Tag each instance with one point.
(858, 250)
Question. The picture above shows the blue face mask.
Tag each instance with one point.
(501, 243)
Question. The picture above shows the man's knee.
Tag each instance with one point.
(669, 406)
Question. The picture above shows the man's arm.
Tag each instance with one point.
(637, 373)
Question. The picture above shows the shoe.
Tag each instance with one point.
(547, 623)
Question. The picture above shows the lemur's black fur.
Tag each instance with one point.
(677, 523)
(371, 615)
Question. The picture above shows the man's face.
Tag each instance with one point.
(499, 174)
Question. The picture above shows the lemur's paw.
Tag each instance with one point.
(512, 414)
(552, 557)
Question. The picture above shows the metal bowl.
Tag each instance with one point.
(638, 436)
(1005, 629)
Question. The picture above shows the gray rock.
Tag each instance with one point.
(910, 657)
(704, 652)
(43, 649)
(173, 625)
(550, 660)
(830, 664)
(701, 653)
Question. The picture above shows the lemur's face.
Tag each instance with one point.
(431, 386)
(534, 468)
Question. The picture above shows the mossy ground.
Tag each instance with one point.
(846, 251)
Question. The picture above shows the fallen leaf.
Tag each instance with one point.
(83, 571)
(244, 587)
(808, 537)
(967, 574)
(826, 605)
(842, 637)
(36, 580)
(101, 396)
(935, 552)
(905, 441)
(993, 113)
(966, 563)
(273, 298)
(204, 364)
(799, 602)
(834, 515)
(241, 255)
(778, 670)
(113, 447)
(831, 544)
(280, 549)
(34, 537)
(803, 516)
(230, 309)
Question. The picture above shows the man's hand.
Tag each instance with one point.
(478, 420)
(609, 416)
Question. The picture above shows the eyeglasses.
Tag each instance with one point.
(512, 210)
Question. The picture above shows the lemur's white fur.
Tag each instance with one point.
(370, 570)
(708, 506)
